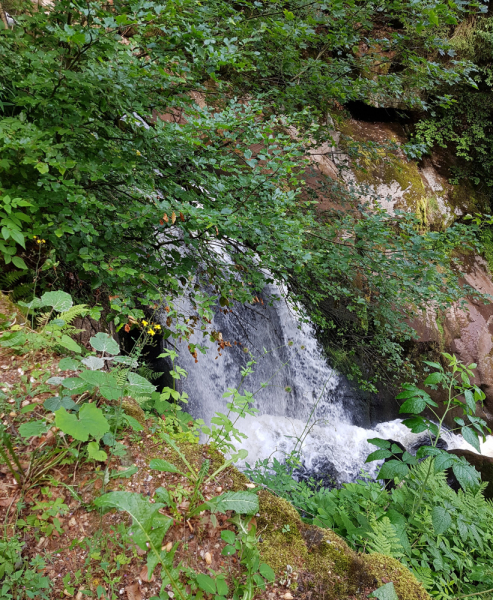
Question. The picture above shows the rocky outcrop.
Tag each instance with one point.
(320, 564)
(423, 188)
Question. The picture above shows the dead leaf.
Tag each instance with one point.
(6, 501)
(133, 591)
(144, 577)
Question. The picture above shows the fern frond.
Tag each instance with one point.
(8, 280)
(79, 310)
(148, 373)
(384, 539)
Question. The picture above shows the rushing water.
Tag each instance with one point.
(305, 398)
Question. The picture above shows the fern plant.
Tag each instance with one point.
(383, 539)
(54, 326)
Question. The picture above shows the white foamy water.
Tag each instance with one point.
(305, 387)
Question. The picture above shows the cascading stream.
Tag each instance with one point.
(300, 385)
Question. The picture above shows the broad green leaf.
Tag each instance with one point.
(413, 406)
(69, 364)
(102, 342)
(56, 380)
(206, 583)
(158, 464)
(243, 503)
(89, 422)
(33, 428)
(379, 455)
(393, 468)
(385, 592)
(53, 404)
(19, 262)
(95, 453)
(138, 385)
(267, 572)
(433, 378)
(416, 424)
(148, 526)
(466, 474)
(59, 301)
(228, 536)
(441, 519)
(222, 586)
(134, 424)
(68, 343)
(443, 461)
(93, 363)
(471, 437)
(380, 443)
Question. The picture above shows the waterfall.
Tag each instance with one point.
(304, 397)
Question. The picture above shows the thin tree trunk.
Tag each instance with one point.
(3, 16)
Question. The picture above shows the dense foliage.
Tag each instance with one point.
(128, 149)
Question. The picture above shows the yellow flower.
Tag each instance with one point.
(151, 332)
(43, 241)
(144, 323)
(34, 237)
(157, 326)
(38, 241)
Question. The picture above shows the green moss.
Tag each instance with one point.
(487, 246)
(385, 569)
(324, 563)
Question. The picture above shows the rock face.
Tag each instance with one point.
(319, 564)
(423, 188)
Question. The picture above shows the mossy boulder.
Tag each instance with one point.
(316, 560)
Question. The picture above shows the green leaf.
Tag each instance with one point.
(93, 363)
(466, 474)
(243, 503)
(378, 455)
(90, 422)
(69, 364)
(443, 461)
(19, 262)
(228, 536)
(148, 525)
(393, 468)
(206, 583)
(158, 464)
(413, 406)
(441, 519)
(416, 424)
(59, 301)
(470, 402)
(380, 443)
(33, 429)
(471, 437)
(385, 592)
(433, 378)
(102, 342)
(134, 424)
(95, 453)
(139, 385)
(267, 572)
(68, 342)
(222, 586)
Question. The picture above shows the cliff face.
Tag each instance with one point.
(423, 188)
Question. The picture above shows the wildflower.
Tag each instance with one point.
(145, 323)
(38, 241)
(35, 237)
(151, 332)
(157, 326)
(43, 241)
